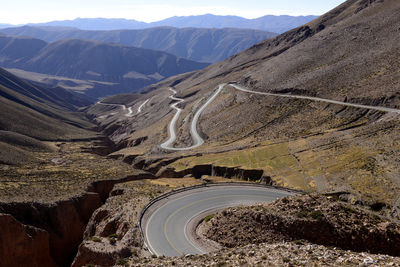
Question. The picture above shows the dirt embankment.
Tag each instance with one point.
(37, 234)
(318, 219)
(112, 234)
(210, 170)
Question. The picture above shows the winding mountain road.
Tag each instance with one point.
(130, 110)
(318, 99)
(141, 106)
(198, 140)
(165, 222)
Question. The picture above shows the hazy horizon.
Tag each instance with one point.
(24, 11)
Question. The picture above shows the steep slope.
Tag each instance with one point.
(128, 68)
(349, 54)
(30, 115)
(12, 49)
(205, 45)
(54, 96)
(269, 23)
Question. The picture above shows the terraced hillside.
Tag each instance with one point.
(349, 54)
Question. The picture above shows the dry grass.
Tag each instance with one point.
(357, 161)
(59, 175)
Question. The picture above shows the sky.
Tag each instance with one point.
(34, 11)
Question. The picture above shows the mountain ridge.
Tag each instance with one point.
(271, 23)
(129, 67)
(203, 45)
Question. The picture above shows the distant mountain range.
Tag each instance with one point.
(278, 24)
(2, 25)
(123, 68)
(203, 45)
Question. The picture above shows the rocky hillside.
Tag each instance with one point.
(278, 254)
(318, 219)
(31, 115)
(124, 68)
(287, 233)
(198, 44)
(303, 144)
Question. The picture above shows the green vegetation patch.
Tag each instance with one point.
(208, 217)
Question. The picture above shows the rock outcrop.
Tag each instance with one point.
(22, 245)
(112, 234)
(318, 219)
(52, 230)
(62, 222)
(208, 169)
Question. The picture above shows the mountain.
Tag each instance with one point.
(21, 48)
(204, 45)
(349, 54)
(96, 24)
(30, 115)
(126, 68)
(3, 25)
(270, 23)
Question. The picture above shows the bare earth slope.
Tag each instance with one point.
(30, 115)
(349, 54)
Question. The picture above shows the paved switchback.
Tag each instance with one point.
(165, 222)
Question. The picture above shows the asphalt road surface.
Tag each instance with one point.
(318, 99)
(165, 222)
(197, 140)
(130, 110)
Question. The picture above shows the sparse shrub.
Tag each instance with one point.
(348, 209)
(96, 239)
(298, 242)
(208, 218)
(112, 240)
(317, 215)
(135, 253)
(122, 261)
(378, 206)
(301, 214)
